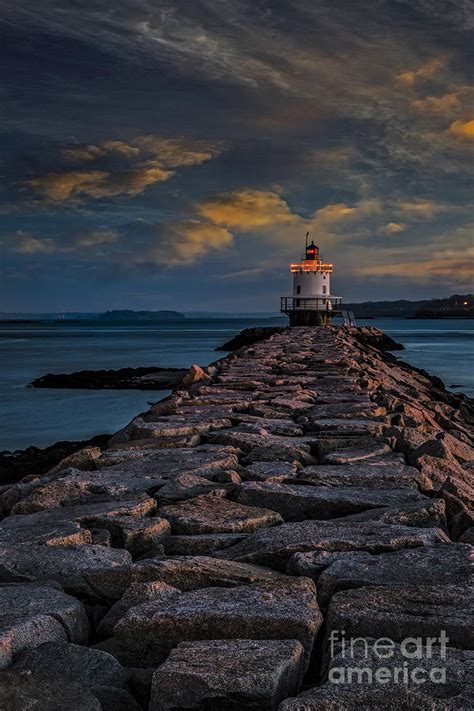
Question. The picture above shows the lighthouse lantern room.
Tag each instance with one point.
(311, 303)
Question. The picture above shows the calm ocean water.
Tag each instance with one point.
(40, 417)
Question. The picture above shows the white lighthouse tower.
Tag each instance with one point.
(311, 303)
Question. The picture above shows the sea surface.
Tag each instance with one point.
(40, 417)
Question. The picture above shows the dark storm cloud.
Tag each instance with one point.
(185, 134)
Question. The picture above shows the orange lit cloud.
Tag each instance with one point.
(462, 129)
(445, 105)
(426, 71)
(88, 153)
(393, 228)
(174, 243)
(59, 187)
(247, 209)
(119, 168)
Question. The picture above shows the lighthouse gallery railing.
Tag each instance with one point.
(302, 303)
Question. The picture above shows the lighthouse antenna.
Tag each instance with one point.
(306, 241)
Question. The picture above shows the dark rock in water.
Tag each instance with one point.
(121, 379)
(33, 460)
(228, 674)
(249, 336)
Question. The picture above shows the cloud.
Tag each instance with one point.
(429, 262)
(419, 209)
(393, 228)
(26, 243)
(462, 129)
(454, 268)
(247, 209)
(59, 187)
(448, 104)
(88, 153)
(426, 71)
(119, 168)
(175, 243)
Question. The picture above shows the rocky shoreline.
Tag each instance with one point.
(306, 489)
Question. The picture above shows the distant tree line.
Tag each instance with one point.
(456, 306)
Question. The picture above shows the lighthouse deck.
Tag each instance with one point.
(308, 489)
(305, 303)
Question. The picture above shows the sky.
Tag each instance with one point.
(172, 155)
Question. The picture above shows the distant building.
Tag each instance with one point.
(311, 303)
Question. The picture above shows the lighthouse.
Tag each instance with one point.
(311, 303)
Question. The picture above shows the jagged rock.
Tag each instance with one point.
(276, 426)
(357, 408)
(402, 611)
(66, 565)
(15, 530)
(21, 690)
(82, 459)
(423, 513)
(269, 471)
(277, 453)
(283, 609)
(331, 453)
(444, 446)
(349, 426)
(274, 547)
(135, 594)
(34, 614)
(438, 565)
(365, 474)
(438, 470)
(188, 486)
(176, 426)
(88, 667)
(201, 545)
(211, 514)
(138, 535)
(299, 502)
(183, 572)
(195, 375)
(228, 674)
(269, 447)
(169, 463)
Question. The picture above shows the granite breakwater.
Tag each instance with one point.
(305, 490)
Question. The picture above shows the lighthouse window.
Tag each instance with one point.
(298, 289)
(325, 289)
(298, 303)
